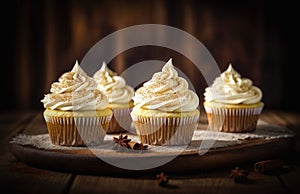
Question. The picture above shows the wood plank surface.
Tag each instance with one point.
(17, 177)
(204, 182)
(290, 179)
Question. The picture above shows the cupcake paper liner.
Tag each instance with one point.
(78, 131)
(120, 122)
(165, 131)
(233, 120)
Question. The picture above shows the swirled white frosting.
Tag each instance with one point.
(231, 88)
(113, 86)
(166, 91)
(75, 90)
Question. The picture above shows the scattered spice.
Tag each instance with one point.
(142, 147)
(239, 175)
(123, 142)
(268, 166)
(137, 146)
(162, 179)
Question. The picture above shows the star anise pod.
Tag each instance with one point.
(238, 175)
(122, 141)
(162, 179)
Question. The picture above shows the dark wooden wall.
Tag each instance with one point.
(44, 38)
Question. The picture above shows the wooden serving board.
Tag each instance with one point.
(84, 161)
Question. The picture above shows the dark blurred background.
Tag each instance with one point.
(42, 40)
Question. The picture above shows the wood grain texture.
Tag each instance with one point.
(290, 178)
(17, 177)
(203, 183)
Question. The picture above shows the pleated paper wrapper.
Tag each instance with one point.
(165, 131)
(77, 131)
(233, 120)
(120, 122)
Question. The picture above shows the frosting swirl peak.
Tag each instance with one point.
(231, 88)
(166, 91)
(113, 86)
(75, 90)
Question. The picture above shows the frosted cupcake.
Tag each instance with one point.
(119, 96)
(165, 110)
(232, 103)
(76, 112)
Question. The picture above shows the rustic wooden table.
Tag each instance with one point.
(18, 177)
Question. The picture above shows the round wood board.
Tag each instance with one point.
(83, 161)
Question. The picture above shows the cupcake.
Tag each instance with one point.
(165, 111)
(76, 113)
(120, 98)
(232, 103)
